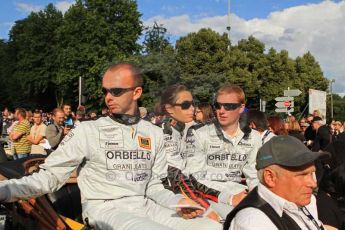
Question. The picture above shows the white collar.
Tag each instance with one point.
(277, 203)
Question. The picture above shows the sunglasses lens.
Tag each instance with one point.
(116, 91)
(227, 106)
(186, 104)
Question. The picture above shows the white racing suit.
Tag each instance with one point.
(177, 179)
(217, 162)
(119, 177)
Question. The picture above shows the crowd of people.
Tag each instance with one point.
(216, 166)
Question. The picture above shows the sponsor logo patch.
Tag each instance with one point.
(145, 142)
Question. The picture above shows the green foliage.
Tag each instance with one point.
(47, 52)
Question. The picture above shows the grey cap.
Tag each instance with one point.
(285, 151)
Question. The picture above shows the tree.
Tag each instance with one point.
(93, 35)
(33, 42)
(155, 39)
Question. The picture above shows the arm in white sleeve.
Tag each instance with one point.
(155, 189)
(53, 173)
(249, 169)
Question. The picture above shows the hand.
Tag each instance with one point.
(66, 130)
(188, 213)
(213, 215)
(236, 199)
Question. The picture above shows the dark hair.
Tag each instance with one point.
(207, 111)
(169, 96)
(259, 119)
(38, 112)
(135, 72)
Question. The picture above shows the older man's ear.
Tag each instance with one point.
(269, 177)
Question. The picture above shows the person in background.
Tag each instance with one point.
(276, 125)
(257, 120)
(323, 135)
(204, 113)
(295, 131)
(67, 109)
(19, 134)
(56, 131)
(37, 134)
(93, 115)
(143, 113)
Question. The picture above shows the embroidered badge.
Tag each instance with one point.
(145, 142)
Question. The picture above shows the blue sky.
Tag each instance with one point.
(294, 25)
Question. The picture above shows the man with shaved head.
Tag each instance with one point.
(122, 160)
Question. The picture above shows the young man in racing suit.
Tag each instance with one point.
(121, 161)
(219, 153)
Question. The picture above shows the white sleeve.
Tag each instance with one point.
(249, 169)
(251, 218)
(53, 173)
(155, 189)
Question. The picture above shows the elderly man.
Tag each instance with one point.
(121, 159)
(283, 199)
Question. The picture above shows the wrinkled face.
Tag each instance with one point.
(37, 118)
(67, 109)
(179, 111)
(296, 185)
(126, 101)
(59, 118)
(228, 117)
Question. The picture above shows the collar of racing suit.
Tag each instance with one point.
(171, 122)
(126, 119)
(246, 130)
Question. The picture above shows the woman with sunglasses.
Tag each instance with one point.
(178, 106)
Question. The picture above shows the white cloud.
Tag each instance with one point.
(318, 28)
(63, 6)
(27, 8)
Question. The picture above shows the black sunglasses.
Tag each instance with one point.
(185, 105)
(116, 92)
(227, 106)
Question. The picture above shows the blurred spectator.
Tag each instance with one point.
(338, 129)
(37, 134)
(276, 125)
(295, 131)
(309, 133)
(56, 131)
(204, 113)
(143, 113)
(104, 112)
(68, 114)
(29, 117)
(331, 194)
(304, 125)
(93, 115)
(257, 120)
(21, 145)
(323, 135)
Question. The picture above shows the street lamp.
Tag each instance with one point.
(331, 89)
(228, 27)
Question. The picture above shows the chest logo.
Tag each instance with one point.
(145, 142)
